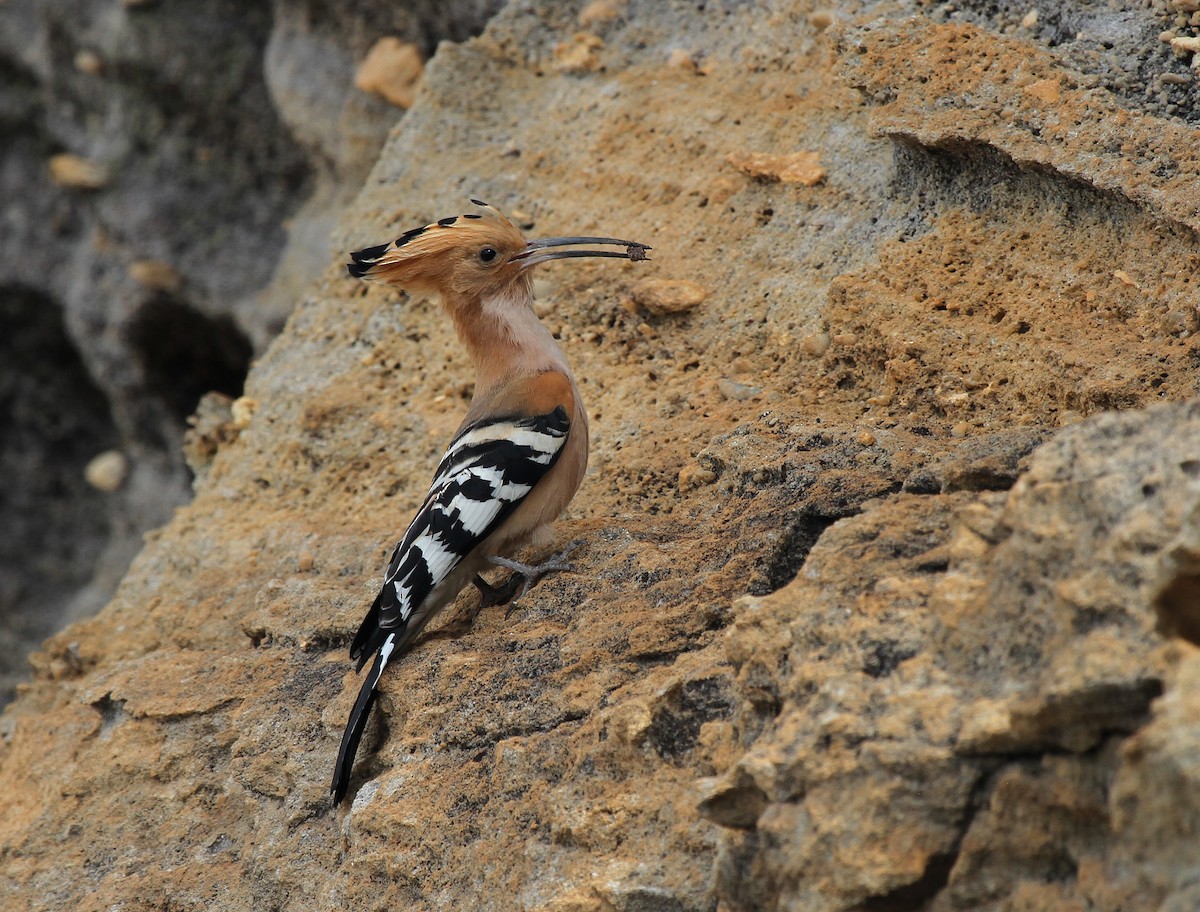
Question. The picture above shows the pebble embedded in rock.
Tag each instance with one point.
(695, 476)
(598, 11)
(791, 168)
(242, 411)
(89, 63)
(816, 344)
(75, 171)
(1125, 278)
(1185, 44)
(668, 296)
(154, 275)
(679, 59)
(821, 19)
(107, 471)
(392, 69)
(579, 55)
(739, 392)
(1045, 90)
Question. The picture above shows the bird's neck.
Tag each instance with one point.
(505, 337)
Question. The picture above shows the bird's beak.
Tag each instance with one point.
(536, 251)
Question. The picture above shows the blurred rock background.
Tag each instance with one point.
(169, 176)
(890, 586)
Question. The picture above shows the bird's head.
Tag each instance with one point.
(471, 256)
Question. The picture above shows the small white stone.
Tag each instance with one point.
(107, 471)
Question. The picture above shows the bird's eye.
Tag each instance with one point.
(487, 254)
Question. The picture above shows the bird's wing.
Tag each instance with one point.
(487, 471)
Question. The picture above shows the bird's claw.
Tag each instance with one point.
(524, 578)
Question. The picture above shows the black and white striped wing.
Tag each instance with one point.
(486, 473)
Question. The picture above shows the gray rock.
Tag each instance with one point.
(232, 136)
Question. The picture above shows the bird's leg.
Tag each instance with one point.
(490, 595)
(524, 578)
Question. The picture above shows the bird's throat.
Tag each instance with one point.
(504, 336)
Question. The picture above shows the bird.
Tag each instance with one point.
(519, 454)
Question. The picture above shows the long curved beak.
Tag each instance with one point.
(536, 250)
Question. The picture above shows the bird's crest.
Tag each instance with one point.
(420, 256)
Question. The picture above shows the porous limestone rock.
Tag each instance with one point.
(907, 628)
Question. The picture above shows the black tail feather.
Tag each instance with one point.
(367, 640)
(354, 731)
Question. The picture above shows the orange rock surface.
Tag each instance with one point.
(880, 633)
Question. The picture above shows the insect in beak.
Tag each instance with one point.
(536, 251)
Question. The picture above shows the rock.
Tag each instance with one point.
(795, 669)
(578, 55)
(89, 62)
(392, 69)
(1125, 279)
(54, 525)
(821, 19)
(882, 65)
(816, 344)
(694, 476)
(77, 172)
(737, 802)
(1185, 44)
(107, 471)
(210, 427)
(987, 462)
(521, 219)
(241, 411)
(1177, 601)
(668, 296)
(739, 392)
(1059, 596)
(679, 59)
(156, 276)
(1152, 798)
(597, 12)
(790, 168)
(183, 153)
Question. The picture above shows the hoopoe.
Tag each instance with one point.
(517, 458)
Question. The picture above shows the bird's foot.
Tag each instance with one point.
(524, 578)
(490, 595)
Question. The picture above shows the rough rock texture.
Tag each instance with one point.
(940, 705)
(169, 177)
(882, 606)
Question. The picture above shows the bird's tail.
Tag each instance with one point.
(358, 722)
